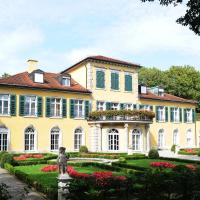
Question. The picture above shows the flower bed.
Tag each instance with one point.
(192, 151)
(23, 157)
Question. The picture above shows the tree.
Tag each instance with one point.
(192, 15)
(5, 75)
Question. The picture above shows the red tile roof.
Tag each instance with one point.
(166, 97)
(50, 82)
(103, 59)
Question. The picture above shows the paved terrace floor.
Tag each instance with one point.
(16, 187)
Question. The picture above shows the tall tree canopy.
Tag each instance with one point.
(5, 75)
(192, 15)
(182, 81)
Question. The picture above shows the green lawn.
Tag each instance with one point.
(146, 162)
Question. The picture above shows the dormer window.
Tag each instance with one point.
(66, 81)
(143, 89)
(160, 92)
(38, 78)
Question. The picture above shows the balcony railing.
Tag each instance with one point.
(121, 115)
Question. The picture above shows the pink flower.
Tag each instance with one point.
(162, 164)
(192, 167)
(50, 168)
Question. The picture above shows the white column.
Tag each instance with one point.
(126, 136)
(148, 139)
(95, 137)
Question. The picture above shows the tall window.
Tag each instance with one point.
(78, 138)
(161, 113)
(136, 140)
(175, 137)
(101, 105)
(100, 78)
(30, 106)
(113, 139)
(188, 115)
(66, 81)
(55, 138)
(4, 104)
(3, 139)
(30, 139)
(161, 138)
(78, 108)
(128, 82)
(115, 80)
(55, 107)
(189, 138)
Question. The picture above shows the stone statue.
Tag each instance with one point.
(62, 160)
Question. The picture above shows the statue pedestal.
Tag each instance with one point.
(63, 186)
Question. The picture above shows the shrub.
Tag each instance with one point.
(173, 148)
(83, 149)
(153, 154)
(122, 160)
(198, 153)
(6, 158)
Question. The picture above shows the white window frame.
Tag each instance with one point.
(161, 139)
(67, 80)
(161, 113)
(189, 115)
(4, 146)
(128, 106)
(30, 103)
(31, 148)
(189, 138)
(53, 114)
(78, 104)
(3, 104)
(113, 140)
(175, 137)
(101, 105)
(136, 140)
(78, 138)
(39, 78)
(54, 140)
(115, 107)
(176, 114)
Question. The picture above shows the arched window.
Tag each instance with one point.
(175, 137)
(161, 139)
(30, 138)
(55, 138)
(3, 138)
(189, 138)
(78, 138)
(113, 139)
(136, 140)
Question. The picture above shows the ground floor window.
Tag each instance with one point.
(113, 139)
(136, 140)
(55, 138)
(3, 139)
(161, 138)
(175, 137)
(30, 139)
(189, 138)
(78, 138)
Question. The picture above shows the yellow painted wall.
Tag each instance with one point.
(43, 125)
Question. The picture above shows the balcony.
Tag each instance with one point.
(116, 116)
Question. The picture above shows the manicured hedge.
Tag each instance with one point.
(181, 160)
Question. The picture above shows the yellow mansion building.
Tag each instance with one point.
(40, 111)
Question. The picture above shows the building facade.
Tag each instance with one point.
(41, 111)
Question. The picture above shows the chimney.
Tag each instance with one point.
(32, 65)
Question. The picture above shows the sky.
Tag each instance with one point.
(59, 33)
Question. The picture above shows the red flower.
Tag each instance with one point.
(26, 156)
(162, 164)
(50, 168)
(192, 167)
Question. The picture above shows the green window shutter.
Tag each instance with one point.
(185, 115)
(180, 114)
(86, 109)
(134, 106)
(166, 114)
(64, 107)
(108, 105)
(21, 105)
(122, 106)
(193, 115)
(128, 82)
(116, 81)
(141, 107)
(39, 106)
(171, 115)
(13, 105)
(157, 119)
(71, 108)
(48, 108)
(100, 79)
(113, 81)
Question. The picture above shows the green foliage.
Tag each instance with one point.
(5, 75)
(173, 148)
(198, 153)
(136, 114)
(6, 158)
(153, 154)
(122, 160)
(4, 194)
(83, 149)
